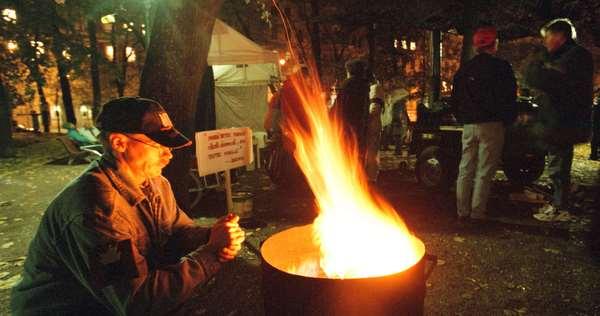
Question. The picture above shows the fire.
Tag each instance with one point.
(358, 234)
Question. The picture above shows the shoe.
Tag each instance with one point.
(546, 213)
(549, 213)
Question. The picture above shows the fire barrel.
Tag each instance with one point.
(288, 290)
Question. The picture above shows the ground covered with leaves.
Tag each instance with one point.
(512, 265)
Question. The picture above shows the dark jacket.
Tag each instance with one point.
(352, 105)
(105, 247)
(484, 90)
(563, 83)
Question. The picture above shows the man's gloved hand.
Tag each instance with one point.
(226, 237)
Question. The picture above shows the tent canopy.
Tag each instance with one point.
(242, 70)
(229, 47)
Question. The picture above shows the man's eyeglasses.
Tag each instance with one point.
(157, 146)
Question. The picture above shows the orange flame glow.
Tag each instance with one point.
(358, 234)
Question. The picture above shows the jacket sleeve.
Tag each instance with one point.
(186, 235)
(539, 76)
(506, 93)
(108, 264)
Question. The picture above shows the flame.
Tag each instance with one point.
(358, 234)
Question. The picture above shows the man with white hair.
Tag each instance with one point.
(562, 78)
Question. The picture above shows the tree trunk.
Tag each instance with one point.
(122, 73)
(371, 44)
(5, 122)
(95, 72)
(65, 88)
(44, 107)
(205, 108)
(469, 16)
(436, 65)
(172, 75)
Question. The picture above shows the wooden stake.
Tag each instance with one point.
(228, 193)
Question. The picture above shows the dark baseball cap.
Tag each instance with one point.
(138, 115)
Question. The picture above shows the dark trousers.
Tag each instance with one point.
(560, 159)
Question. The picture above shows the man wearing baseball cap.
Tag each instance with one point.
(484, 95)
(114, 240)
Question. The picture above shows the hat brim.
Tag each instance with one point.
(171, 138)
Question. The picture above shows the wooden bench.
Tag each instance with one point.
(88, 153)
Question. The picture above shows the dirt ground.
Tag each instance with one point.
(512, 265)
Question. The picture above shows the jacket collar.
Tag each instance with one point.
(132, 194)
(564, 48)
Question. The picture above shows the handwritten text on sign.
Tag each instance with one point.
(223, 149)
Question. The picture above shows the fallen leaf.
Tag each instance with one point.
(4, 274)
(550, 250)
(441, 262)
(10, 282)
(459, 239)
(522, 310)
(7, 245)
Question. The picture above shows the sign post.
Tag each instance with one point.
(223, 150)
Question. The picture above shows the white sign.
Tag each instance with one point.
(223, 149)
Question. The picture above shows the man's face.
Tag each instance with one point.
(553, 41)
(145, 157)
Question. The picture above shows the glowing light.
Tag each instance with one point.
(84, 110)
(39, 47)
(357, 232)
(413, 46)
(130, 53)
(282, 61)
(9, 15)
(395, 43)
(108, 19)
(110, 52)
(404, 44)
(12, 46)
(66, 54)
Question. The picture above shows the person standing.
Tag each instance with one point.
(484, 95)
(374, 130)
(352, 103)
(562, 78)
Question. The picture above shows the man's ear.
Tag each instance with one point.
(118, 142)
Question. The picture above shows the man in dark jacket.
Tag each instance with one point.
(114, 241)
(562, 76)
(352, 103)
(484, 96)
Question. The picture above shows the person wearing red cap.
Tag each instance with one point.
(114, 241)
(484, 95)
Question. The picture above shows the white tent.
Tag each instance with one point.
(242, 71)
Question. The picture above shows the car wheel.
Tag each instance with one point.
(431, 170)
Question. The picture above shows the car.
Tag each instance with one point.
(436, 142)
